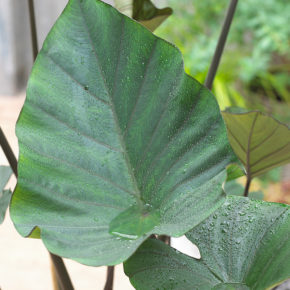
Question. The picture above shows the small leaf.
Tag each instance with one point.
(116, 141)
(244, 245)
(144, 11)
(159, 18)
(260, 142)
(234, 171)
(5, 195)
(148, 15)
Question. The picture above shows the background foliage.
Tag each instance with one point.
(256, 63)
(254, 70)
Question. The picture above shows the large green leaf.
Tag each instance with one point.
(260, 142)
(144, 11)
(116, 141)
(5, 195)
(244, 245)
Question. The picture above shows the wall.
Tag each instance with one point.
(15, 40)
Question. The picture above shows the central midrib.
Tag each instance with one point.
(111, 96)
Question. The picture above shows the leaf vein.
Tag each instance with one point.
(141, 87)
(173, 137)
(269, 155)
(70, 198)
(74, 129)
(130, 171)
(78, 167)
(256, 244)
(74, 79)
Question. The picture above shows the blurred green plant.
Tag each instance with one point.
(257, 56)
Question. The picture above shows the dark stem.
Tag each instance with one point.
(246, 192)
(61, 273)
(55, 281)
(164, 239)
(221, 44)
(8, 152)
(110, 278)
(33, 29)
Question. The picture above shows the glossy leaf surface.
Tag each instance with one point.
(116, 141)
(5, 195)
(260, 142)
(244, 245)
(144, 11)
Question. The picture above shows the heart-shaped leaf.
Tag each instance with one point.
(116, 141)
(5, 195)
(144, 11)
(244, 245)
(260, 142)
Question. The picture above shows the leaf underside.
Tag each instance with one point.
(148, 15)
(116, 141)
(144, 11)
(244, 245)
(260, 142)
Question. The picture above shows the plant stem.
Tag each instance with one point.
(110, 278)
(55, 280)
(165, 239)
(62, 274)
(246, 191)
(8, 152)
(33, 29)
(221, 44)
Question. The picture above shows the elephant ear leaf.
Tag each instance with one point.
(116, 141)
(260, 142)
(244, 245)
(5, 195)
(144, 11)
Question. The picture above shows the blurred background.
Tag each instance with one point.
(254, 69)
(253, 74)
